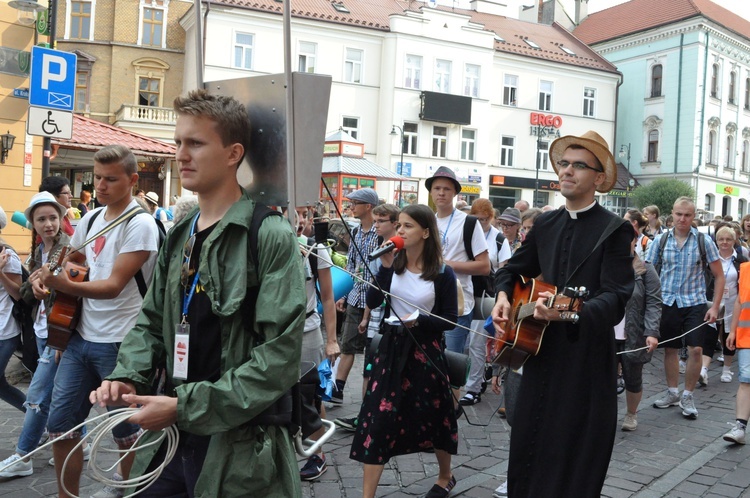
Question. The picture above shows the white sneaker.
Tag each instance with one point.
(501, 491)
(630, 423)
(86, 455)
(109, 492)
(688, 407)
(736, 435)
(683, 366)
(703, 377)
(726, 376)
(16, 467)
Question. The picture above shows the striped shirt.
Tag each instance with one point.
(367, 242)
(682, 277)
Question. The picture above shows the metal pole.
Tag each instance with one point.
(401, 172)
(47, 142)
(198, 44)
(538, 160)
(627, 188)
(289, 87)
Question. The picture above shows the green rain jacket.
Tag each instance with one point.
(259, 360)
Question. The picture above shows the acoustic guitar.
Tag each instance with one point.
(62, 319)
(523, 334)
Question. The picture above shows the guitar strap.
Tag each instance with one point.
(119, 221)
(614, 223)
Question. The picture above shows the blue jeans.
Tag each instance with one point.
(38, 399)
(455, 340)
(10, 394)
(81, 370)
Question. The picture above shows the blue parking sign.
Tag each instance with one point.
(53, 78)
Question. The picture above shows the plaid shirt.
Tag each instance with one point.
(367, 242)
(682, 277)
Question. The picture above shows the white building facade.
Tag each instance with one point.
(520, 81)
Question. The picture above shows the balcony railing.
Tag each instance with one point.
(146, 114)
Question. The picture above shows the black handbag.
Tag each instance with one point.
(458, 363)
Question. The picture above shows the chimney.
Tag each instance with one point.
(582, 11)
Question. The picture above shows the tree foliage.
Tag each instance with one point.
(662, 192)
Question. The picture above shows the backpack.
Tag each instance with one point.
(139, 278)
(483, 284)
(157, 215)
(22, 314)
(707, 274)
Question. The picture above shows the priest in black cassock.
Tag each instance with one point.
(566, 412)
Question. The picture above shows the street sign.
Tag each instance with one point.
(50, 123)
(21, 93)
(53, 78)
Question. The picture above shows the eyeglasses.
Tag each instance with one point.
(579, 165)
(377, 221)
(187, 252)
(508, 225)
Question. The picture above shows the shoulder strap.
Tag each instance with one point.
(499, 241)
(702, 249)
(615, 222)
(469, 223)
(260, 213)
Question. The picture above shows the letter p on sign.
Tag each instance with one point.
(50, 62)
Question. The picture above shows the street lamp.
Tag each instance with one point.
(401, 164)
(625, 152)
(27, 10)
(539, 131)
(5, 145)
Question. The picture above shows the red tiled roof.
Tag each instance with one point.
(89, 134)
(375, 14)
(640, 15)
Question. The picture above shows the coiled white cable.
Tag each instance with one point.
(97, 435)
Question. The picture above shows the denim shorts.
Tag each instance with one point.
(82, 368)
(743, 362)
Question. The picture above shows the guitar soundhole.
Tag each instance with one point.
(74, 273)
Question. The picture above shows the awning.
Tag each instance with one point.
(358, 167)
(92, 135)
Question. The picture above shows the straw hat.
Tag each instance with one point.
(594, 143)
(153, 198)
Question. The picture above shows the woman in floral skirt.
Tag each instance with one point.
(408, 406)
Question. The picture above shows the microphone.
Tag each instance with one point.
(393, 243)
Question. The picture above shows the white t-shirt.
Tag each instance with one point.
(108, 320)
(451, 230)
(312, 322)
(9, 327)
(411, 287)
(497, 257)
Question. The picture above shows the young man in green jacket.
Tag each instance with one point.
(241, 355)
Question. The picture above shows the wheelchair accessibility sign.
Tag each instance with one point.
(44, 122)
(53, 78)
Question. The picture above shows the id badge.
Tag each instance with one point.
(181, 350)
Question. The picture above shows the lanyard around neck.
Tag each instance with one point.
(188, 296)
(445, 234)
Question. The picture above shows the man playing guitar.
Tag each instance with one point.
(566, 414)
(110, 305)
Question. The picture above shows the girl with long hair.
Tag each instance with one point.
(408, 406)
(47, 239)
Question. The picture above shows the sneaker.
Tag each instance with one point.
(620, 384)
(703, 377)
(630, 422)
(667, 400)
(44, 438)
(16, 467)
(109, 492)
(501, 490)
(688, 406)
(720, 358)
(86, 455)
(470, 398)
(726, 376)
(314, 468)
(348, 424)
(337, 398)
(683, 366)
(736, 435)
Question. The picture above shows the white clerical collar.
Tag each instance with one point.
(574, 214)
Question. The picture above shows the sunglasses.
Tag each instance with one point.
(187, 252)
(579, 165)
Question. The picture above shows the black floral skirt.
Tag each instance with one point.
(408, 406)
